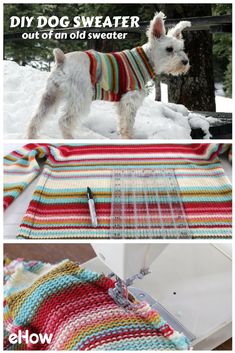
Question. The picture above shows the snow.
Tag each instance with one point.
(219, 89)
(23, 87)
(224, 104)
(201, 122)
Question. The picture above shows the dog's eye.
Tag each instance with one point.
(169, 49)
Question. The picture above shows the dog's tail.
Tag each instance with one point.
(59, 56)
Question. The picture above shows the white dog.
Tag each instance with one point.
(80, 77)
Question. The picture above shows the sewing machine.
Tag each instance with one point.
(189, 284)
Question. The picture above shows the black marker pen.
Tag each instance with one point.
(91, 204)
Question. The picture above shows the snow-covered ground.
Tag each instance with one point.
(155, 120)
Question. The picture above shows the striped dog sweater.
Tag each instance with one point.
(72, 304)
(59, 207)
(114, 74)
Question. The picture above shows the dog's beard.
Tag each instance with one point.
(178, 69)
(181, 70)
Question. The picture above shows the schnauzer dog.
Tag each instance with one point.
(80, 77)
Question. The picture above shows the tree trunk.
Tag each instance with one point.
(157, 83)
(196, 89)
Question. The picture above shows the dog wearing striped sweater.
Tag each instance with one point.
(78, 78)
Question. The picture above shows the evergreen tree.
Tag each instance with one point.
(222, 50)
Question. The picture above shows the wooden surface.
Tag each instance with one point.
(226, 346)
(50, 252)
(221, 128)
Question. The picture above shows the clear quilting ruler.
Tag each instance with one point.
(146, 203)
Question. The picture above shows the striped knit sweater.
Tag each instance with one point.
(114, 74)
(73, 304)
(59, 207)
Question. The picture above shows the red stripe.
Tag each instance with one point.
(103, 209)
(106, 149)
(7, 201)
(93, 67)
(66, 150)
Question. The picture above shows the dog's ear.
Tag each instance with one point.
(177, 30)
(157, 27)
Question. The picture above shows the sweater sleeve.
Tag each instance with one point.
(21, 167)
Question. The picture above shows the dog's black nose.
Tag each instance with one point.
(184, 62)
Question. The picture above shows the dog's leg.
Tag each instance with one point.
(127, 109)
(78, 98)
(77, 105)
(47, 101)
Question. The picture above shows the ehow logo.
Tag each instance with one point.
(27, 337)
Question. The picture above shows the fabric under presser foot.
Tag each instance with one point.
(73, 304)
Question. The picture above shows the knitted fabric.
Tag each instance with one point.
(114, 74)
(73, 304)
(59, 207)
